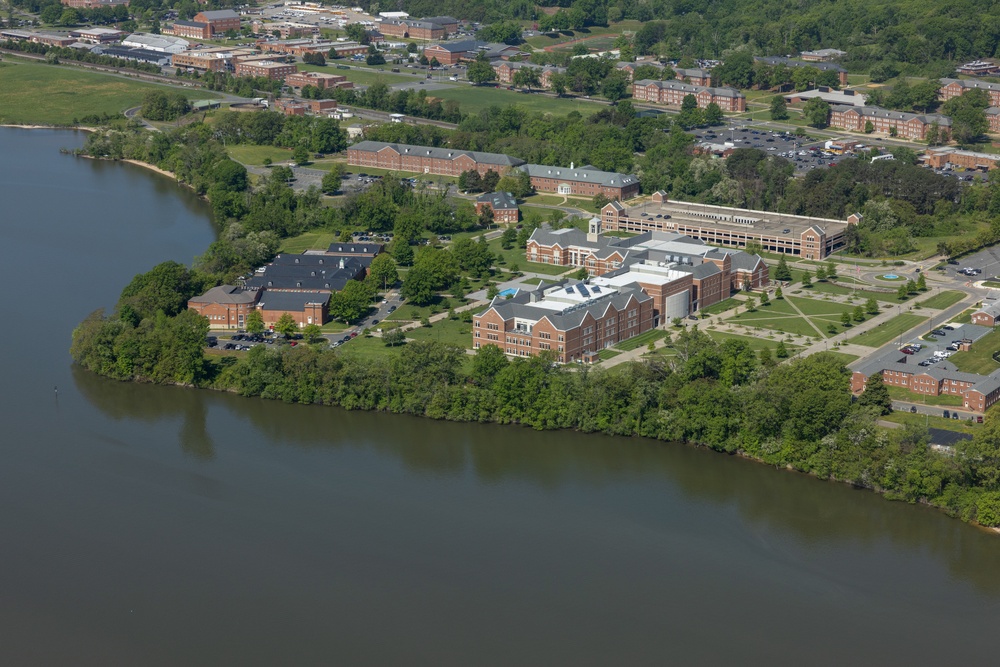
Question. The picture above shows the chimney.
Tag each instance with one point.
(341, 264)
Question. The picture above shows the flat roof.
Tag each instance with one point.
(758, 221)
(644, 272)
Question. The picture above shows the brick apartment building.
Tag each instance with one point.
(451, 53)
(799, 236)
(988, 315)
(505, 70)
(285, 29)
(304, 307)
(210, 60)
(426, 160)
(267, 69)
(573, 321)
(320, 80)
(582, 181)
(219, 20)
(978, 392)
(821, 66)
(503, 205)
(955, 87)
(674, 92)
(696, 76)
(436, 27)
(905, 125)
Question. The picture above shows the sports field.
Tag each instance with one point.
(37, 94)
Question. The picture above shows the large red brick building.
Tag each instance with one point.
(955, 157)
(320, 80)
(582, 181)
(821, 66)
(673, 93)
(435, 27)
(226, 306)
(505, 70)
(572, 321)
(219, 21)
(192, 29)
(502, 204)
(427, 160)
(267, 69)
(899, 123)
(451, 53)
(955, 87)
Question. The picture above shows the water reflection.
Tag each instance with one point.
(812, 511)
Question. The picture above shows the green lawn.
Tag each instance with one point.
(934, 421)
(943, 300)
(965, 317)
(410, 313)
(558, 38)
(473, 99)
(452, 332)
(317, 240)
(516, 256)
(944, 400)
(781, 315)
(887, 331)
(608, 353)
(756, 343)
(721, 306)
(363, 347)
(55, 95)
(255, 155)
(843, 356)
(979, 359)
(642, 340)
(861, 293)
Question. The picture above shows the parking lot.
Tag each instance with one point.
(804, 155)
(986, 261)
(949, 337)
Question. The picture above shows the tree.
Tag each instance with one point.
(374, 57)
(615, 86)
(782, 272)
(332, 179)
(876, 395)
(490, 181)
(821, 273)
(831, 270)
(968, 115)
(713, 114)
(806, 279)
(300, 155)
(286, 325)
(509, 238)
(751, 305)
(255, 322)
(559, 83)
(690, 115)
(871, 306)
(921, 283)
(526, 77)
(383, 270)
(487, 364)
(780, 351)
(859, 314)
(480, 72)
(779, 110)
(312, 332)
(869, 128)
(393, 337)
(901, 293)
(517, 182)
(911, 287)
(817, 112)
(351, 303)
(845, 319)
(778, 294)
(470, 181)
(765, 300)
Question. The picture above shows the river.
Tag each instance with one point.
(163, 526)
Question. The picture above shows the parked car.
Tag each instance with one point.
(947, 414)
(939, 332)
(913, 408)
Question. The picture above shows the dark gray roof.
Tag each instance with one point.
(967, 83)
(940, 436)
(901, 116)
(217, 14)
(573, 316)
(690, 88)
(463, 46)
(191, 24)
(744, 261)
(438, 153)
(350, 248)
(308, 272)
(291, 301)
(691, 72)
(144, 55)
(526, 65)
(701, 270)
(441, 20)
(226, 294)
(581, 175)
(498, 200)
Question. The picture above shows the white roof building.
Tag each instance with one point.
(161, 43)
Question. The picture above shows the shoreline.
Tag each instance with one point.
(20, 126)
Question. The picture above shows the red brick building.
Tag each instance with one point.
(821, 66)
(988, 315)
(905, 125)
(220, 20)
(955, 157)
(320, 80)
(451, 53)
(426, 160)
(267, 69)
(583, 181)
(192, 29)
(572, 321)
(304, 307)
(696, 76)
(978, 392)
(955, 87)
(505, 70)
(503, 205)
(674, 92)
(226, 306)
(412, 29)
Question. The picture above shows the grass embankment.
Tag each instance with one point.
(885, 332)
(979, 359)
(256, 155)
(37, 94)
(934, 421)
(944, 400)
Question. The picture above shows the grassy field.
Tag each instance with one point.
(452, 332)
(255, 155)
(516, 256)
(319, 240)
(783, 315)
(720, 307)
(558, 38)
(756, 343)
(474, 99)
(965, 317)
(834, 288)
(642, 340)
(944, 400)
(55, 95)
(608, 353)
(934, 421)
(943, 300)
(887, 331)
(979, 359)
